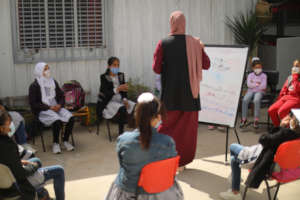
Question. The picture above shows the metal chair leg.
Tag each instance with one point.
(108, 130)
(98, 126)
(72, 138)
(268, 189)
(34, 132)
(277, 189)
(43, 143)
(245, 192)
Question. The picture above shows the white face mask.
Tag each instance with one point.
(12, 129)
(295, 69)
(47, 73)
(257, 71)
(293, 125)
(158, 124)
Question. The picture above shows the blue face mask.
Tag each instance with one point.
(12, 129)
(114, 70)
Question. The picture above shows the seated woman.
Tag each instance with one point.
(46, 100)
(261, 155)
(20, 134)
(25, 171)
(257, 84)
(289, 96)
(113, 102)
(140, 147)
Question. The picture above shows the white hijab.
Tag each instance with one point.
(47, 84)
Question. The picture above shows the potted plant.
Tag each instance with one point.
(246, 30)
(135, 88)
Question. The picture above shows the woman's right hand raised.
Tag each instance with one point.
(123, 88)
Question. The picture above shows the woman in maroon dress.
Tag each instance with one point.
(180, 58)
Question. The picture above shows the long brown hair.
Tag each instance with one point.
(145, 111)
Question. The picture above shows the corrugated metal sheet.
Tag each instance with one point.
(134, 27)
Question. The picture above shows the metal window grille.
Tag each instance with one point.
(32, 29)
(59, 24)
(89, 15)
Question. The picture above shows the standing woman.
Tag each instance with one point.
(180, 58)
(113, 102)
(47, 100)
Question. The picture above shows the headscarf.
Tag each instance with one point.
(47, 84)
(177, 23)
(194, 49)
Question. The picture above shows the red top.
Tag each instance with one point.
(292, 89)
(158, 59)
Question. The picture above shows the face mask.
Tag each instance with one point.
(158, 124)
(257, 71)
(12, 129)
(293, 124)
(295, 69)
(114, 70)
(47, 74)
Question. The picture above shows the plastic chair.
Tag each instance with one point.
(8, 181)
(288, 158)
(108, 128)
(158, 176)
(38, 130)
(270, 95)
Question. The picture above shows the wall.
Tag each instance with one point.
(288, 50)
(134, 27)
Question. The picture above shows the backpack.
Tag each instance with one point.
(74, 95)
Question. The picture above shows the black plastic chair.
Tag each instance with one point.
(270, 95)
(108, 128)
(38, 129)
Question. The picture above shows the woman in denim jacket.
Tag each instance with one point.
(141, 147)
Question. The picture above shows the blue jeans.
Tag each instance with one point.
(257, 96)
(20, 134)
(235, 149)
(55, 172)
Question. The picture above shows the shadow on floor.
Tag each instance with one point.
(212, 184)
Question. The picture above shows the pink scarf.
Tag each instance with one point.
(193, 49)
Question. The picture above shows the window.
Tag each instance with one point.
(57, 30)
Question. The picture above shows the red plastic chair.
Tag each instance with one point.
(288, 158)
(158, 176)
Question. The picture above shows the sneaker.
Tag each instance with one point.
(28, 147)
(56, 148)
(243, 123)
(68, 146)
(210, 127)
(229, 195)
(255, 124)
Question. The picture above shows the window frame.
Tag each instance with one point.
(48, 54)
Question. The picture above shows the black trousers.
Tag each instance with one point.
(57, 127)
(121, 118)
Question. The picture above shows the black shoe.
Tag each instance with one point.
(243, 123)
